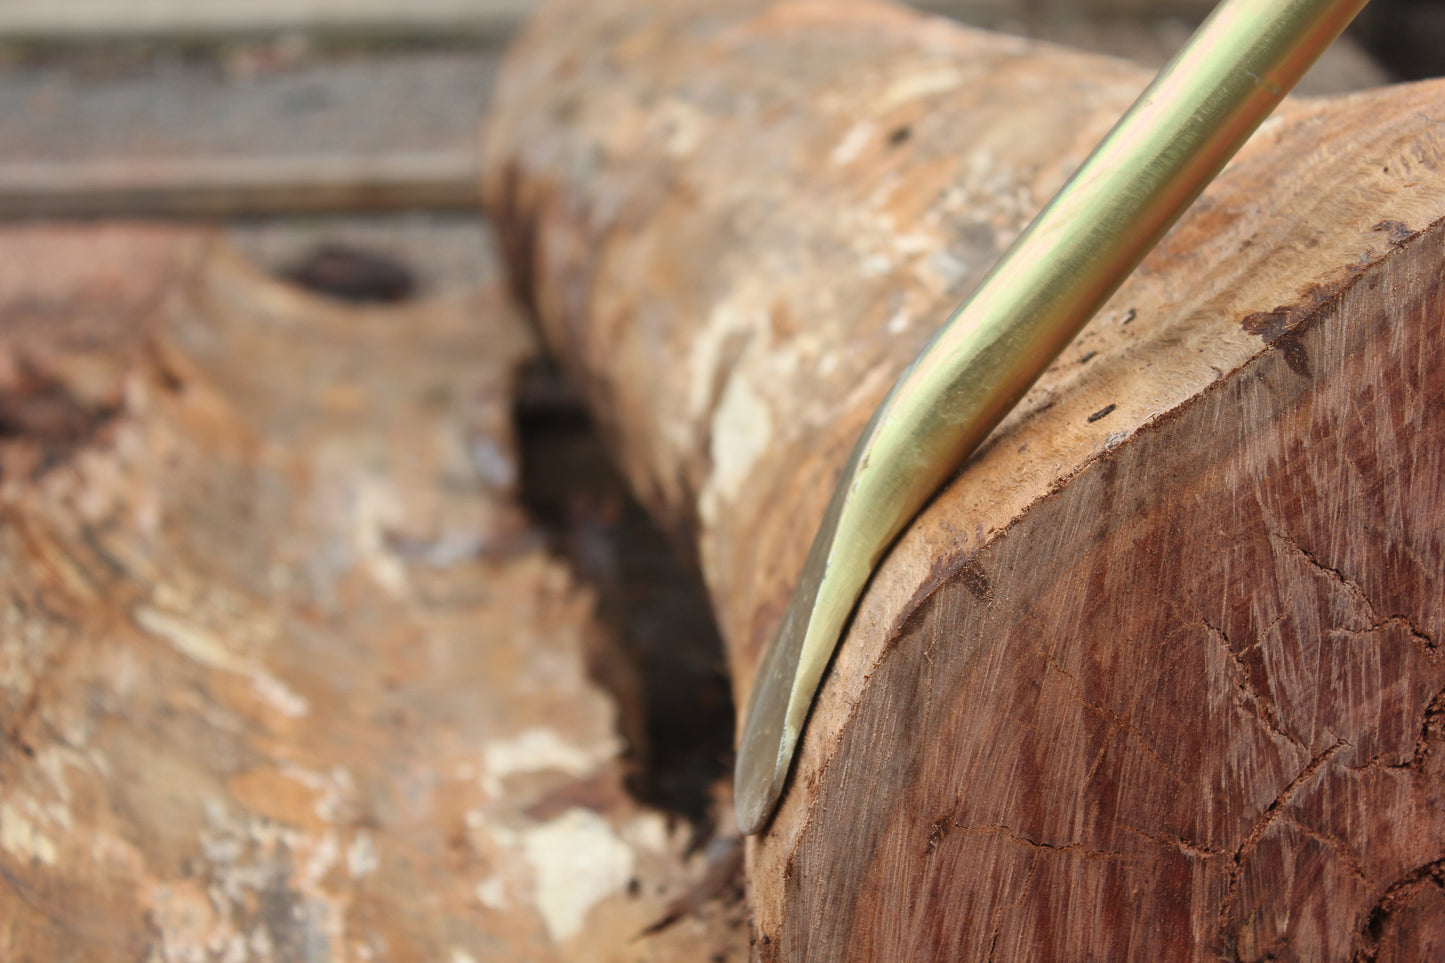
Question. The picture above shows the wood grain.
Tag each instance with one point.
(1157, 676)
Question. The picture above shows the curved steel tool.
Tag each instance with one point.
(1171, 142)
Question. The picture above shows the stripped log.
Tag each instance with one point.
(285, 673)
(1158, 675)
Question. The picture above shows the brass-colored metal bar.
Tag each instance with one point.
(1166, 148)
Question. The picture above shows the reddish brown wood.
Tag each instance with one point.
(1157, 677)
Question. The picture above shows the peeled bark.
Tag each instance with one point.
(1157, 676)
(285, 673)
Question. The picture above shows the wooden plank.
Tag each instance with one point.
(239, 186)
(89, 18)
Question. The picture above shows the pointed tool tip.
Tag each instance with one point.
(783, 689)
(766, 747)
(754, 804)
(755, 785)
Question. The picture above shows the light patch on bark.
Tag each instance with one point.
(742, 429)
(361, 856)
(681, 127)
(706, 353)
(377, 510)
(333, 788)
(282, 698)
(185, 921)
(53, 761)
(245, 857)
(540, 750)
(924, 82)
(21, 839)
(647, 831)
(875, 265)
(202, 645)
(492, 893)
(578, 861)
(852, 144)
(189, 639)
(318, 862)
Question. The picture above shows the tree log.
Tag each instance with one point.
(1158, 675)
(285, 673)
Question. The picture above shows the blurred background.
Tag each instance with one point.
(259, 109)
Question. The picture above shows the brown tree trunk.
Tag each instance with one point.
(1158, 675)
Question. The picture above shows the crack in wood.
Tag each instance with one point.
(1342, 849)
(1431, 719)
(1178, 843)
(1260, 704)
(1014, 836)
(999, 912)
(1123, 723)
(1261, 825)
(1397, 895)
(1376, 620)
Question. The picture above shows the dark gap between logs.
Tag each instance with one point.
(651, 601)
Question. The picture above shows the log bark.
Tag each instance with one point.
(285, 673)
(1158, 675)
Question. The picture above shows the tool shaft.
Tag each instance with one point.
(1155, 161)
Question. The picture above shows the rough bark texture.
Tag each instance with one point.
(284, 672)
(1158, 675)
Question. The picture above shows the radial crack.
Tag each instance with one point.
(1260, 704)
(1266, 818)
(1122, 723)
(1013, 835)
(1342, 849)
(1377, 621)
(1179, 843)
